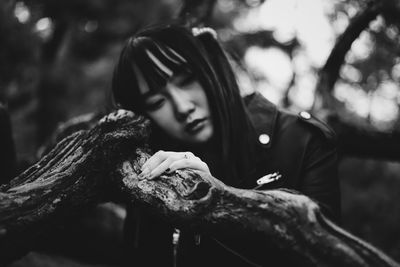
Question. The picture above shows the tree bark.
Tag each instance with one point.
(72, 177)
(103, 163)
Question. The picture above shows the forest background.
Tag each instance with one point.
(337, 59)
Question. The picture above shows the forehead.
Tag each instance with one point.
(156, 64)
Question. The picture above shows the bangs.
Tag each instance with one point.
(156, 63)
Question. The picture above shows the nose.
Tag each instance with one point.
(182, 102)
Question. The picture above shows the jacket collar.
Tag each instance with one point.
(263, 115)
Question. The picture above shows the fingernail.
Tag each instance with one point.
(145, 171)
(141, 176)
(146, 177)
(150, 176)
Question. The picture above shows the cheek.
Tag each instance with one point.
(200, 97)
(164, 118)
(205, 104)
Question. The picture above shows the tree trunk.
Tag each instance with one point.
(103, 164)
(356, 137)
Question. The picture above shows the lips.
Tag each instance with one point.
(195, 125)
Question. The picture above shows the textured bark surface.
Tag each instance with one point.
(103, 163)
(71, 178)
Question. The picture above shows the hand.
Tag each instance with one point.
(168, 161)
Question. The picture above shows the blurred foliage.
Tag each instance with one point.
(378, 66)
(18, 53)
(369, 200)
(57, 58)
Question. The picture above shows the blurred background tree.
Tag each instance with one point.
(338, 59)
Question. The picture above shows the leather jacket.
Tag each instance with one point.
(300, 148)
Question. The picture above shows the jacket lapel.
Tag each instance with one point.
(263, 115)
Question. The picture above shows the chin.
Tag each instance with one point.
(204, 136)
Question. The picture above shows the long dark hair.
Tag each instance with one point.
(176, 47)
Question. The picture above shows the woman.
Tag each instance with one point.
(182, 81)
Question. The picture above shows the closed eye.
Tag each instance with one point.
(186, 79)
(153, 103)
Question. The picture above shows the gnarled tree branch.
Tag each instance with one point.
(103, 164)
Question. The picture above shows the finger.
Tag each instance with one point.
(160, 156)
(189, 155)
(157, 171)
(192, 162)
(153, 161)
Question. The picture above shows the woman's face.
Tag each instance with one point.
(181, 109)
